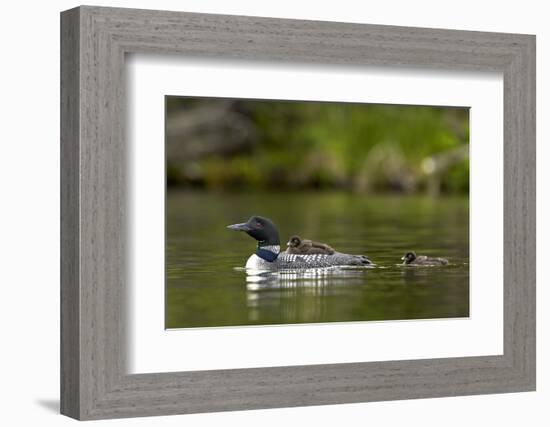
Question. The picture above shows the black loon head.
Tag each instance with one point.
(408, 257)
(294, 241)
(260, 228)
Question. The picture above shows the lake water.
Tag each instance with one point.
(207, 286)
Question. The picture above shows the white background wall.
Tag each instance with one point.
(29, 213)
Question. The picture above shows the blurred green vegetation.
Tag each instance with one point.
(257, 144)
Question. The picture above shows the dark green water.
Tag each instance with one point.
(206, 286)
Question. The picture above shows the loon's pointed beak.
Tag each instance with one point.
(288, 243)
(403, 258)
(240, 227)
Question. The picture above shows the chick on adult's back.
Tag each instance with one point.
(298, 246)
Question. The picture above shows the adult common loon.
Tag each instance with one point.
(268, 254)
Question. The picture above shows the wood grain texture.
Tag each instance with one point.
(94, 382)
(70, 221)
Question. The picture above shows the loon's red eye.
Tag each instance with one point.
(259, 225)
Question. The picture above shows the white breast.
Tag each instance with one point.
(254, 262)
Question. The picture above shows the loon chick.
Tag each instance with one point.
(269, 257)
(410, 258)
(297, 245)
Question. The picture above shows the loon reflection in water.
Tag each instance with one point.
(314, 277)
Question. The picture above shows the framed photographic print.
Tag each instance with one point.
(262, 213)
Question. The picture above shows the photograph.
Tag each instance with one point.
(294, 212)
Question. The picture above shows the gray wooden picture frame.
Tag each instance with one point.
(94, 381)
